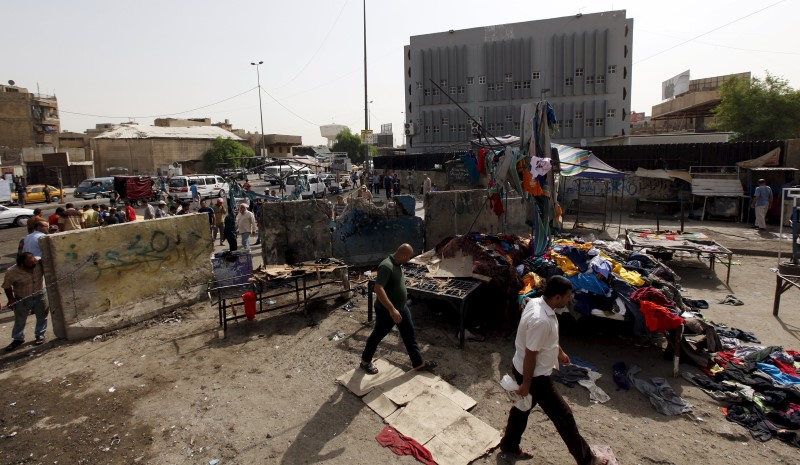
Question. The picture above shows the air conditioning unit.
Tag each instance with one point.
(409, 129)
(475, 128)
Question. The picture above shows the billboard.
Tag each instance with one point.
(386, 128)
(675, 85)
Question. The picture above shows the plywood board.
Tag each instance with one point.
(361, 383)
(425, 416)
(470, 436)
(456, 396)
(444, 454)
(379, 403)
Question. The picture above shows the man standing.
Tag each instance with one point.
(149, 210)
(130, 213)
(219, 221)
(391, 309)
(54, 219)
(364, 193)
(426, 185)
(210, 211)
(24, 287)
(537, 353)
(31, 241)
(388, 182)
(37, 217)
(245, 225)
(195, 193)
(761, 202)
(91, 218)
(71, 219)
(229, 230)
(161, 211)
(21, 193)
(410, 183)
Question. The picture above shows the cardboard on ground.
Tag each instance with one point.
(361, 383)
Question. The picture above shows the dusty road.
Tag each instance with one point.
(169, 391)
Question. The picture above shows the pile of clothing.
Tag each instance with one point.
(760, 387)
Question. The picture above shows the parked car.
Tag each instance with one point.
(94, 188)
(15, 216)
(208, 185)
(35, 193)
(327, 178)
(334, 187)
(314, 186)
(273, 173)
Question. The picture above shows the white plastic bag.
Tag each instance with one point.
(511, 386)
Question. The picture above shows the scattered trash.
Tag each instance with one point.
(213, 462)
(99, 337)
(348, 307)
(119, 364)
(368, 274)
(336, 336)
(731, 299)
(31, 412)
(112, 389)
(12, 434)
(12, 404)
(270, 302)
(171, 320)
(115, 440)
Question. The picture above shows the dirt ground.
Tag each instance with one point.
(170, 391)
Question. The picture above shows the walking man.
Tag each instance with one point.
(761, 202)
(410, 183)
(245, 225)
(219, 221)
(210, 212)
(537, 353)
(426, 185)
(391, 309)
(24, 287)
(22, 193)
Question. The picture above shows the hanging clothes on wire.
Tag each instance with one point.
(471, 164)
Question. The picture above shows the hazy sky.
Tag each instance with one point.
(139, 59)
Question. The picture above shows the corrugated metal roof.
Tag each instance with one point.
(140, 131)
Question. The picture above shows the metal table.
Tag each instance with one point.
(783, 283)
(419, 286)
(634, 241)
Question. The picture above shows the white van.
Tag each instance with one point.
(273, 173)
(208, 185)
(314, 186)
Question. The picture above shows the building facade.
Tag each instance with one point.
(27, 119)
(581, 64)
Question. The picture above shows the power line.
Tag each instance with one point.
(165, 114)
(321, 44)
(709, 32)
(287, 109)
(710, 44)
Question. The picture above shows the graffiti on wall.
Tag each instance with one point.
(631, 186)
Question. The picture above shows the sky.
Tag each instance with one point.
(110, 61)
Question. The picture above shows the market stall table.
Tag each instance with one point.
(420, 286)
(693, 243)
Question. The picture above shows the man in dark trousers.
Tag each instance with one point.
(537, 353)
(391, 309)
(24, 287)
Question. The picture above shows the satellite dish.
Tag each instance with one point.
(175, 164)
(11, 82)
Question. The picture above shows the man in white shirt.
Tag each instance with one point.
(245, 225)
(537, 353)
(426, 185)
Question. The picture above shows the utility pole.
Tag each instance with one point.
(366, 101)
(260, 111)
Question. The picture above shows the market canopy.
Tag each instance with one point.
(583, 163)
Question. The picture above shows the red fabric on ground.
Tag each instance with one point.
(404, 445)
(657, 318)
(785, 367)
(653, 295)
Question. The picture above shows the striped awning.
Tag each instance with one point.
(573, 160)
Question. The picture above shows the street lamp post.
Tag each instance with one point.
(260, 110)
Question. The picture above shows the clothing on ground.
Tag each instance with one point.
(404, 445)
(660, 393)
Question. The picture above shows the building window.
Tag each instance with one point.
(516, 126)
(568, 82)
(435, 92)
(481, 79)
(601, 79)
(589, 79)
(599, 122)
(461, 128)
(612, 69)
(567, 123)
(611, 113)
(436, 129)
(507, 77)
(526, 84)
(509, 118)
(470, 80)
(419, 85)
(589, 122)
(427, 129)
(427, 92)
(536, 75)
(461, 89)
(445, 121)
(517, 85)
(499, 86)
(578, 114)
(453, 89)
(578, 72)
(454, 128)
(490, 87)
(443, 82)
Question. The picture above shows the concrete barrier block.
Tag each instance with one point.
(407, 203)
(295, 231)
(365, 236)
(106, 278)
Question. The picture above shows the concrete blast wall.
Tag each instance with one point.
(452, 212)
(295, 231)
(102, 279)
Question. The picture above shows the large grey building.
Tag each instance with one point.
(581, 64)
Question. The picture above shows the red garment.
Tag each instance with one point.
(657, 318)
(785, 367)
(130, 213)
(651, 294)
(727, 355)
(497, 204)
(404, 445)
(482, 161)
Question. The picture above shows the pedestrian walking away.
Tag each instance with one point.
(219, 221)
(762, 199)
(24, 288)
(391, 309)
(537, 353)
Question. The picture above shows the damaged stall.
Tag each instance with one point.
(591, 180)
(720, 184)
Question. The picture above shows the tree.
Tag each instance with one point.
(759, 110)
(348, 142)
(226, 153)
